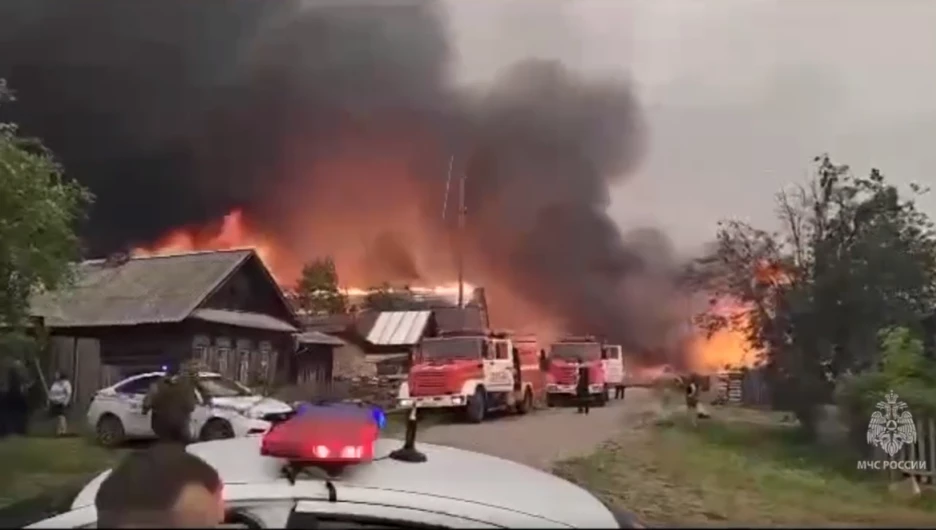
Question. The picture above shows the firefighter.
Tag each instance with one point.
(581, 388)
(172, 400)
(692, 398)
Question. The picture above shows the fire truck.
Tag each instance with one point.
(477, 372)
(564, 359)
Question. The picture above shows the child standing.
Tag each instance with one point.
(60, 395)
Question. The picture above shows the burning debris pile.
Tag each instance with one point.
(305, 129)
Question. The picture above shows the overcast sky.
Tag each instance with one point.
(739, 94)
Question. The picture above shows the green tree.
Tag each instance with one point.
(853, 257)
(903, 368)
(39, 209)
(317, 291)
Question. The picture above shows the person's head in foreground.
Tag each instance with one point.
(161, 487)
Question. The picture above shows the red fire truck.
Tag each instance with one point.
(477, 372)
(564, 359)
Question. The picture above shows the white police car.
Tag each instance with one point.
(382, 487)
(228, 410)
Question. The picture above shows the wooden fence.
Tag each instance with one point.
(924, 450)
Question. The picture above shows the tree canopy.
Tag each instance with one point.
(853, 259)
(39, 209)
(317, 290)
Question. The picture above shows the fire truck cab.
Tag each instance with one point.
(612, 362)
(565, 359)
(477, 372)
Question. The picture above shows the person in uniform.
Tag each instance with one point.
(581, 388)
(17, 398)
(172, 401)
(692, 398)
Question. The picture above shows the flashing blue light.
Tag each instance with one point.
(372, 412)
(165, 368)
(380, 417)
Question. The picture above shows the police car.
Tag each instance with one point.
(321, 471)
(228, 410)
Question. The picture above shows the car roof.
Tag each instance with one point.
(449, 473)
(161, 374)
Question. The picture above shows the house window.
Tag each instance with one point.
(200, 349)
(243, 361)
(224, 356)
(271, 366)
(267, 360)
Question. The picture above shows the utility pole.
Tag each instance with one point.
(459, 244)
(461, 236)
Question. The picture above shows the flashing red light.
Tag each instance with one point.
(326, 440)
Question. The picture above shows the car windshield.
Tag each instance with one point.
(219, 387)
(453, 348)
(571, 351)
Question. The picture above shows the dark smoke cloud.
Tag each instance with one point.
(174, 111)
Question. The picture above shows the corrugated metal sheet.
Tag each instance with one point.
(399, 328)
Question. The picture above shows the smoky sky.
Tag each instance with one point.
(175, 111)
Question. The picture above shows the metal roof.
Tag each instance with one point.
(143, 290)
(317, 337)
(243, 319)
(399, 328)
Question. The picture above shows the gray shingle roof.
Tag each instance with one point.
(144, 290)
(244, 319)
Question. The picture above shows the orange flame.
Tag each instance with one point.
(231, 234)
(726, 348)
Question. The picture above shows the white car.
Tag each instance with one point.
(228, 410)
(453, 488)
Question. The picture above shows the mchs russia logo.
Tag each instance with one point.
(891, 428)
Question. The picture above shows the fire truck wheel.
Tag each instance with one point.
(477, 405)
(525, 405)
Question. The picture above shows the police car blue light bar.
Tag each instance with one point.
(349, 410)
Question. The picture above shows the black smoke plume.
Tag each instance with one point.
(175, 111)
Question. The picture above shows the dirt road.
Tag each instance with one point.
(545, 436)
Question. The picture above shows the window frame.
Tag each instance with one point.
(150, 379)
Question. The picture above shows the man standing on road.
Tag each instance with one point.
(581, 388)
(172, 401)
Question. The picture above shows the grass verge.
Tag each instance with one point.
(41, 475)
(739, 471)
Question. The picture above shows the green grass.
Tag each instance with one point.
(735, 471)
(34, 465)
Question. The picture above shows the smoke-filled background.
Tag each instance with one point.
(332, 127)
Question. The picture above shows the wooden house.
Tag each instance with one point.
(124, 316)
